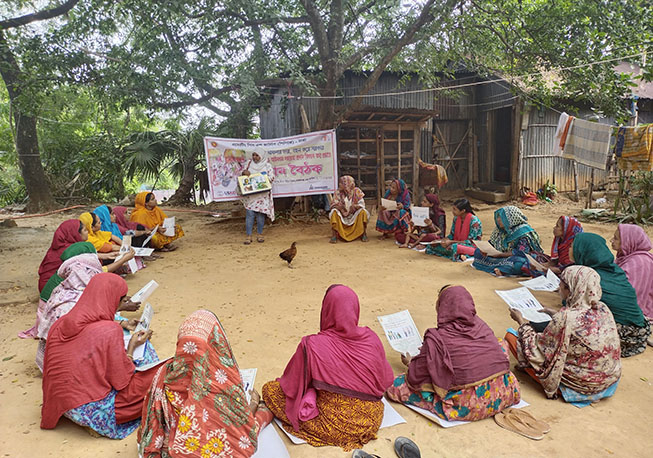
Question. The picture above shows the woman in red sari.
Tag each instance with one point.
(68, 232)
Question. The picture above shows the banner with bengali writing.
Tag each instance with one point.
(303, 164)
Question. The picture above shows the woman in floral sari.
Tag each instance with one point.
(515, 239)
(196, 406)
(148, 213)
(465, 228)
(348, 214)
(577, 354)
(461, 372)
(390, 221)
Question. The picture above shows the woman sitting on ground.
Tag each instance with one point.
(259, 205)
(108, 220)
(514, 238)
(197, 405)
(68, 232)
(88, 376)
(348, 214)
(103, 241)
(461, 372)
(577, 354)
(148, 213)
(435, 225)
(634, 256)
(391, 221)
(564, 232)
(618, 294)
(138, 231)
(330, 392)
(465, 228)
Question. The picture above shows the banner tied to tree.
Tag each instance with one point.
(303, 164)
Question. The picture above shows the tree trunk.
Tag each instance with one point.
(27, 145)
(183, 193)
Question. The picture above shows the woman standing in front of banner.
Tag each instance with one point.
(261, 204)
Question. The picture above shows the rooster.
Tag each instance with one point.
(289, 254)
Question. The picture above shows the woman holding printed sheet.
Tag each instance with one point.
(258, 206)
(148, 213)
(435, 225)
(462, 371)
(390, 221)
(103, 241)
(578, 353)
(465, 228)
(348, 214)
(330, 392)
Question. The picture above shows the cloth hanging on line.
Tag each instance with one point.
(633, 147)
(586, 142)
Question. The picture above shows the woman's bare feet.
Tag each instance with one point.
(498, 273)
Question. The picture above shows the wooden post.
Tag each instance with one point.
(398, 151)
(470, 155)
(380, 164)
(417, 148)
(576, 191)
(590, 190)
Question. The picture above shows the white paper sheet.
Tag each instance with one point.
(133, 267)
(169, 224)
(149, 237)
(450, 424)
(270, 444)
(139, 352)
(522, 300)
(388, 204)
(145, 367)
(419, 214)
(124, 247)
(248, 376)
(143, 251)
(534, 263)
(146, 318)
(390, 418)
(145, 292)
(401, 332)
(548, 282)
(487, 248)
(434, 242)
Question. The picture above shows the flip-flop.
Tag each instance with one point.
(260, 239)
(406, 448)
(359, 453)
(529, 419)
(364, 238)
(334, 240)
(516, 425)
(247, 242)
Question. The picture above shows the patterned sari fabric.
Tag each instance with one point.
(197, 406)
(560, 248)
(468, 228)
(580, 347)
(517, 237)
(636, 259)
(352, 224)
(388, 222)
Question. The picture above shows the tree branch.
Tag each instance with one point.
(266, 21)
(39, 16)
(319, 31)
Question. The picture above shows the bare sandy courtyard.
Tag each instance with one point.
(266, 308)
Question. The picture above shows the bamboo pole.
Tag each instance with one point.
(576, 190)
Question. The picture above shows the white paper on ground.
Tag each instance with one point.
(390, 418)
(419, 214)
(248, 376)
(145, 292)
(388, 204)
(487, 248)
(401, 332)
(149, 237)
(143, 251)
(146, 318)
(139, 352)
(145, 367)
(449, 424)
(548, 282)
(270, 444)
(434, 242)
(523, 300)
(169, 224)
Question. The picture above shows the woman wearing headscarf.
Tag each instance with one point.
(391, 221)
(564, 232)
(103, 241)
(465, 228)
(148, 213)
(634, 256)
(139, 231)
(197, 405)
(68, 232)
(88, 376)
(434, 228)
(330, 392)
(619, 295)
(578, 352)
(258, 206)
(461, 371)
(515, 239)
(348, 214)
(108, 220)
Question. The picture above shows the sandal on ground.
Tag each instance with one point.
(529, 419)
(260, 239)
(406, 448)
(517, 425)
(247, 242)
(333, 240)
(364, 238)
(360, 453)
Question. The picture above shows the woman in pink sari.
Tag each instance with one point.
(331, 390)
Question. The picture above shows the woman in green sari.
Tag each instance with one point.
(592, 251)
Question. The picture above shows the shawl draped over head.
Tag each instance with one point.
(436, 211)
(403, 196)
(75, 249)
(636, 259)
(85, 356)
(141, 215)
(580, 346)
(122, 222)
(515, 226)
(462, 351)
(99, 238)
(462, 227)
(618, 294)
(342, 358)
(197, 398)
(105, 218)
(66, 234)
(351, 194)
(260, 166)
(560, 248)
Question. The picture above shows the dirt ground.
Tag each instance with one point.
(266, 308)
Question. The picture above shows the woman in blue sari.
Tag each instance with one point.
(515, 239)
(391, 221)
(108, 220)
